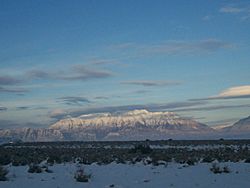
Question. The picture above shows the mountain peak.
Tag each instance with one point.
(131, 125)
(242, 124)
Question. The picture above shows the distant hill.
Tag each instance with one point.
(243, 125)
(132, 125)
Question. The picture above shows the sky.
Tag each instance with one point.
(61, 59)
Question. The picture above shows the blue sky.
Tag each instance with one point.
(61, 59)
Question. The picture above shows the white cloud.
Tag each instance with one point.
(207, 18)
(238, 91)
(231, 9)
(58, 114)
(242, 11)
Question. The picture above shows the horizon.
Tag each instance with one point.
(63, 59)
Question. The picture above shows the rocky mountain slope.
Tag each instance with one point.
(243, 125)
(132, 125)
(30, 135)
(131, 119)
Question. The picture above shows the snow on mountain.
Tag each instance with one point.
(243, 125)
(220, 127)
(130, 119)
(132, 125)
(29, 134)
(134, 118)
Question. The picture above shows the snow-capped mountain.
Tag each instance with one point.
(29, 134)
(132, 125)
(131, 119)
(243, 125)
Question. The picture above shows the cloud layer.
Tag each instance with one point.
(59, 113)
(234, 92)
(2, 108)
(13, 90)
(211, 108)
(150, 83)
(174, 47)
(11, 84)
(8, 80)
(241, 10)
(231, 9)
(82, 72)
(74, 100)
(237, 92)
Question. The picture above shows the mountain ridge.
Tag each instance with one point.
(130, 118)
(239, 126)
(131, 125)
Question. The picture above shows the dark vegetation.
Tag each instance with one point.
(3, 173)
(183, 152)
(142, 149)
(81, 176)
(34, 168)
(216, 169)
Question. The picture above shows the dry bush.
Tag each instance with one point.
(3, 173)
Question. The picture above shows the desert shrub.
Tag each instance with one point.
(45, 168)
(148, 161)
(120, 160)
(34, 168)
(215, 169)
(5, 159)
(136, 160)
(54, 159)
(83, 178)
(15, 163)
(247, 160)
(3, 173)
(48, 170)
(80, 176)
(85, 160)
(160, 162)
(191, 162)
(23, 163)
(143, 149)
(226, 169)
(66, 158)
(207, 159)
(160, 156)
(19, 161)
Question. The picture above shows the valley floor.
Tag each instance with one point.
(132, 176)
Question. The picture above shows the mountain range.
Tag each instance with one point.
(132, 125)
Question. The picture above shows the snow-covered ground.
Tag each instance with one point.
(132, 175)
